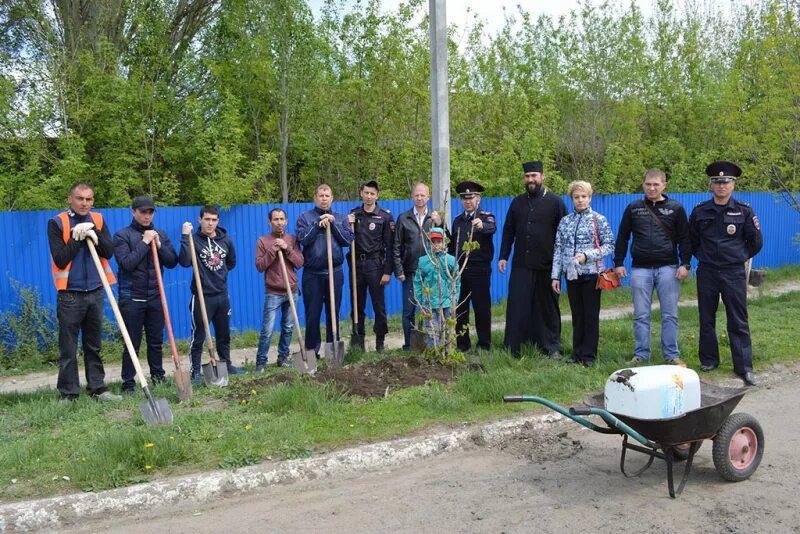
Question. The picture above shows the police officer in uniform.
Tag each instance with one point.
(532, 313)
(478, 226)
(725, 233)
(374, 232)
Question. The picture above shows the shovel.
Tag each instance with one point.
(356, 339)
(302, 362)
(213, 374)
(334, 352)
(154, 411)
(182, 381)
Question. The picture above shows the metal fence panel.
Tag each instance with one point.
(27, 257)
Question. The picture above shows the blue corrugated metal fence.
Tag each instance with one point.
(27, 255)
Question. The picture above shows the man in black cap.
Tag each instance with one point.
(725, 233)
(374, 231)
(532, 313)
(139, 298)
(473, 226)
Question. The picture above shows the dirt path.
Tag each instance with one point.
(33, 381)
(563, 480)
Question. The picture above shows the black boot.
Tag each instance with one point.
(379, 344)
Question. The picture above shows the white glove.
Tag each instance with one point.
(92, 235)
(80, 229)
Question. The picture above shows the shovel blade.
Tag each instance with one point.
(156, 411)
(334, 354)
(305, 363)
(417, 340)
(215, 375)
(183, 384)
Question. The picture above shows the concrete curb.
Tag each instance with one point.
(59, 512)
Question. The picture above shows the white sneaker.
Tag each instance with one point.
(107, 396)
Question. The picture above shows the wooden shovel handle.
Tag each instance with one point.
(117, 314)
(331, 291)
(199, 286)
(163, 294)
(355, 287)
(288, 285)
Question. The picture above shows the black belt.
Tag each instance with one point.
(369, 256)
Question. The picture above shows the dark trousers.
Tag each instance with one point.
(368, 277)
(80, 311)
(730, 283)
(409, 309)
(584, 300)
(475, 291)
(218, 309)
(316, 295)
(147, 316)
(532, 314)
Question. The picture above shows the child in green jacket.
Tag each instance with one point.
(433, 285)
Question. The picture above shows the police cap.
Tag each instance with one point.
(721, 172)
(469, 189)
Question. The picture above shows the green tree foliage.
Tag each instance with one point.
(235, 101)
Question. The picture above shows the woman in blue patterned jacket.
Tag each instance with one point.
(583, 240)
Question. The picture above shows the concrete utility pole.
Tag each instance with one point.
(440, 112)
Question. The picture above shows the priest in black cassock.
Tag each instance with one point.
(532, 315)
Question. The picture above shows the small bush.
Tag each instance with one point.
(28, 332)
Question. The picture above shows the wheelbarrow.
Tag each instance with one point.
(738, 437)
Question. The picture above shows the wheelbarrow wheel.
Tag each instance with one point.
(738, 447)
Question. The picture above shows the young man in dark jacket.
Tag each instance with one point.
(311, 232)
(216, 256)
(80, 292)
(268, 262)
(139, 298)
(374, 231)
(660, 227)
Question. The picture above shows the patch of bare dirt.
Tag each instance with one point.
(537, 446)
(368, 380)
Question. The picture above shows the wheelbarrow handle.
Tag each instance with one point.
(612, 421)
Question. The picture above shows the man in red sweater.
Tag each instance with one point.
(267, 262)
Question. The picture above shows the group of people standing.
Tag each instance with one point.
(548, 244)
(551, 244)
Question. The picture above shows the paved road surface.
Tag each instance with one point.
(567, 480)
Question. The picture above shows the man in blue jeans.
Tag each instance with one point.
(661, 253)
(268, 262)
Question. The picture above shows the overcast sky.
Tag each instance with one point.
(493, 12)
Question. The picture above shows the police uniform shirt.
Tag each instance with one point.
(374, 233)
(724, 235)
(480, 260)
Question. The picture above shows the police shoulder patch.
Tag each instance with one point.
(756, 223)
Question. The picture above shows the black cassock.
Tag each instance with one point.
(532, 313)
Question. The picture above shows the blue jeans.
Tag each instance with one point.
(434, 325)
(643, 279)
(272, 304)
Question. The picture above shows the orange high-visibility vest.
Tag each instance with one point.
(61, 276)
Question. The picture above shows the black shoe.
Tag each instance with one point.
(588, 363)
(554, 356)
(749, 378)
(709, 366)
(127, 392)
(379, 345)
(573, 359)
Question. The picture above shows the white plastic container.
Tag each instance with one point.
(653, 392)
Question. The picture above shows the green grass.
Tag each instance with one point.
(51, 448)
